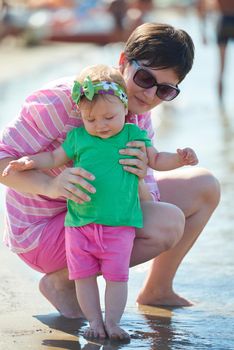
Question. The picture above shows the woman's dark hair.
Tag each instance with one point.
(161, 46)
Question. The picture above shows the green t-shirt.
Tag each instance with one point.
(116, 201)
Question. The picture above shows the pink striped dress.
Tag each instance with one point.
(46, 117)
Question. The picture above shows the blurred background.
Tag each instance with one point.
(44, 40)
(99, 21)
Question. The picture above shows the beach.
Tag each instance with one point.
(27, 321)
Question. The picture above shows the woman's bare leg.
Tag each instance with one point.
(197, 193)
(61, 293)
(163, 228)
(88, 296)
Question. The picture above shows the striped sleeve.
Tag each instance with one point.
(145, 123)
(41, 121)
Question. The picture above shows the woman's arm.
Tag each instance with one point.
(37, 182)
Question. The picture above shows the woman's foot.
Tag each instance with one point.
(61, 294)
(155, 298)
(96, 330)
(115, 332)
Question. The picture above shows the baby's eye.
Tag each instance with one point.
(90, 120)
(109, 118)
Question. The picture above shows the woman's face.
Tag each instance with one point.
(141, 100)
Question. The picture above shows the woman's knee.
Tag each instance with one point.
(209, 188)
(163, 224)
(174, 226)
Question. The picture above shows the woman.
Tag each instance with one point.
(156, 59)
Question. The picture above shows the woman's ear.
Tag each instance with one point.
(122, 61)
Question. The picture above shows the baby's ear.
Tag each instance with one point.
(126, 111)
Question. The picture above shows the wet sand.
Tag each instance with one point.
(27, 321)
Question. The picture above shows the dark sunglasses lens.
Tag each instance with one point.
(144, 79)
(166, 92)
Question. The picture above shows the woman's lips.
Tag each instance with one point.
(142, 102)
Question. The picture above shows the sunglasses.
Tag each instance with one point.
(146, 80)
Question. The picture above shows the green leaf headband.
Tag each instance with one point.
(89, 89)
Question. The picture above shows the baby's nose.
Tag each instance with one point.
(101, 124)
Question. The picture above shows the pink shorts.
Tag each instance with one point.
(50, 255)
(95, 248)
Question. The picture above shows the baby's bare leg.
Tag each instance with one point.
(88, 296)
(115, 302)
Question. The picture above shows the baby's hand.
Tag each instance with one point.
(187, 156)
(21, 164)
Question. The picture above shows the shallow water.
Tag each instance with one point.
(207, 274)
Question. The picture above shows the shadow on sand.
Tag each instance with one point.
(149, 328)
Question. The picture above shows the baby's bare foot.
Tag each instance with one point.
(95, 330)
(115, 332)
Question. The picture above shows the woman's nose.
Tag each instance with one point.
(151, 92)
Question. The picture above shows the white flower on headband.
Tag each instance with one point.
(106, 85)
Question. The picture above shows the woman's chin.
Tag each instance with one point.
(139, 106)
(139, 110)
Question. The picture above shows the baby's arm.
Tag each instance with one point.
(44, 160)
(164, 161)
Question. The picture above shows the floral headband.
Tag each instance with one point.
(89, 89)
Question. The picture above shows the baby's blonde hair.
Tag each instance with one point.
(98, 73)
(102, 72)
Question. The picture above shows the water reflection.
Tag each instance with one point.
(150, 328)
(161, 334)
(205, 326)
(227, 127)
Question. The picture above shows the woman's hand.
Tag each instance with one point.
(138, 164)
(65, 185)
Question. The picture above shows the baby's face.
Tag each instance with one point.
(104, 117)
